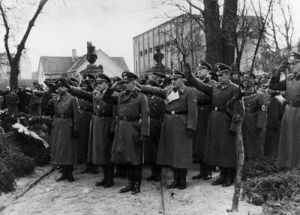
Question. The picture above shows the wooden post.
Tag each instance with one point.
(240, 163)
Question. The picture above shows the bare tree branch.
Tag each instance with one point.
(6, 36)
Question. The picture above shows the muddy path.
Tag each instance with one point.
(82, 197)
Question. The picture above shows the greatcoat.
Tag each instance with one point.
(253, 123)
(204, 108)
(220, 140)
(99, 141)
(175, 146)
(132, 122)
(289, 147)
(275, 109)
(63, 145)
(157, 107)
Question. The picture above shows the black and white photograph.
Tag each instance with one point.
(149, 107)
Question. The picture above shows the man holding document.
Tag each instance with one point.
(176, 143)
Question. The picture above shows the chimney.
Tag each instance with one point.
(74, 55)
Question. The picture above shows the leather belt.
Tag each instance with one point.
(174, 112)
(293, 103)
(127, 118)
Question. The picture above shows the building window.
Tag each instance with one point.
(146, 51)
(141, 53)
(150, 50)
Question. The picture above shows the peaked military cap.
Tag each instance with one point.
(62, 80)
(159, 74)
(129, 76)
(222, 68)
(103, 77)
(116, 79)
(204, 65)
(177, 74)
(74, 81)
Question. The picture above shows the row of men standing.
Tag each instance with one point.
(130, 123)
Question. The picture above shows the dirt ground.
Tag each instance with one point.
(83, 198)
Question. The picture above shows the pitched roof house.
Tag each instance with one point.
(55, 67)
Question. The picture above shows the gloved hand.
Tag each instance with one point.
(65, 83)
(144, 138)
(187, 71)
(75, 134)
(190, 132)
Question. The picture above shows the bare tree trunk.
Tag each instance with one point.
(229, 31)
(212, 31)
(14, 73)
(263, 21)
(15, 61)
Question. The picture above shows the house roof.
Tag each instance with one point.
(112, 66)
(55, 65)
(121, 62)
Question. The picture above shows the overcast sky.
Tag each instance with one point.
(109, 24)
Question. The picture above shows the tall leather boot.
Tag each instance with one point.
(174, 184)
(157, 172)
(137, 179)
(110, 176)
(230, 176)
(70, 173)
(121, 171)
(130, 185)
(64, 174)
(206, 171)
(182, 179)
(221, 179)
(105, 174)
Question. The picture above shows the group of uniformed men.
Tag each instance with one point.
(172, 122)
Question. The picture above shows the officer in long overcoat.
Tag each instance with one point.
(275, 110)
(64, 131)
(86, 112)
(254, 119)
(176, 140)
(121, 169)
(100, 139)
(131, 130)
(226, 115)
(204, 108)
(157, 107)
(289, 147)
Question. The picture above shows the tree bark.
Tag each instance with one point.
(212, 31)
(229, 31)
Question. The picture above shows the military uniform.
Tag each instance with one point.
(157, 109)
(35, 107)
(86, 112)
(204, 108)
(253, 123)
(289, 147)
(65, 122)
(132, 123)
(221, 150)
(275, 109)
(176, 145)
(99, 141)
